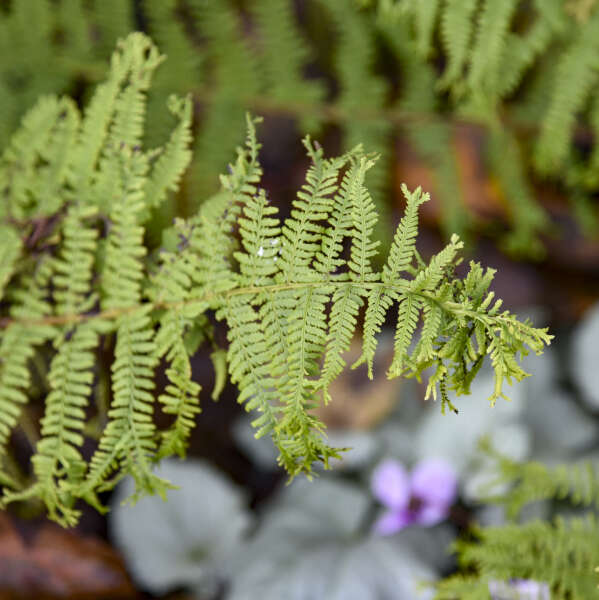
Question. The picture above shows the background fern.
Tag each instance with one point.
(381, 72)
(561, 552)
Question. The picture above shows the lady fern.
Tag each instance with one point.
(291, 292)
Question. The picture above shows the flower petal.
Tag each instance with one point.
(435, 482)
(430, 514)
(523, 589)
(391, 485)
(393, 521)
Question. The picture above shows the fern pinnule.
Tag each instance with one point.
(347, 300)
(47, 189)
(364, 219)
(400, 257)
(181, 395)
(98, 117)
(301, 234)
(74, 268)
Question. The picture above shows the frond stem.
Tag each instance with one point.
(402, 287)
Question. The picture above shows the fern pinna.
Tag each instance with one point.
(78, 282)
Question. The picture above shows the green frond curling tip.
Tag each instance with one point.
(293, 294)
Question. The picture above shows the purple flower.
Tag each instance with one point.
(422, 497)
(518, 589)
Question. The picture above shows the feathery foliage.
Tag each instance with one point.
(371, 68)
(79, 284)
(562, 552)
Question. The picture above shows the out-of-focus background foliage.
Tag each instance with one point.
(492, 107)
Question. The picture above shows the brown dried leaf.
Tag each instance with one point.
(56, 563)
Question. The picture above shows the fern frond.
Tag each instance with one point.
(18, 344)
(361, 89)
(457, 26)
(489, 46)
(532, 481)
(123, 268)
(562, 554)
(19, 162)
(403, 247)
(174, 159)
(576, 75)
(58, 465)
(425, 16)
(283, 54)
(167, 27)
(290, 291)
(235, 76)
(114, 20)
(527, 216)
(10, 251)
(128, 443)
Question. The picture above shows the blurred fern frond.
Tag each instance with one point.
(372, 69)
